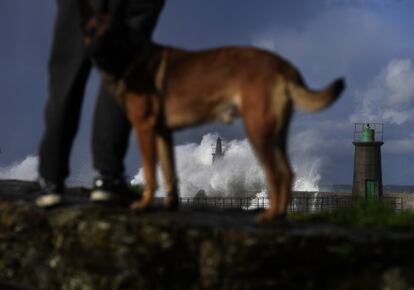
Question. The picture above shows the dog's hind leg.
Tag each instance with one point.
(286, 182)
(166, 157)
(269, 143)
(282, 165)
(279, 178)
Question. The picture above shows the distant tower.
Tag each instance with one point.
(368, 139)
(218, 152)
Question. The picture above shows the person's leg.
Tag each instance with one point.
(110, 137)
(68, 72)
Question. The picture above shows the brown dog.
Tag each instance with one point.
(169, 89)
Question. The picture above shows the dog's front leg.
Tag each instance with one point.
(146, 140)
(143, 119)
(166, 157)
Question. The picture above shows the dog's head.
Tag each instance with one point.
(95, 20)
(105, 36)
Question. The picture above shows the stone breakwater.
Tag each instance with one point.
(86, 247)
(106, 248)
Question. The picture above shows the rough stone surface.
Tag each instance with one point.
(86, 247)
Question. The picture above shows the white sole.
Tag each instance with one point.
(48, 200)
(100, 195)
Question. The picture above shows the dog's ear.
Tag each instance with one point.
(86, 12)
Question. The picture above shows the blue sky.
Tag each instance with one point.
(369, 42)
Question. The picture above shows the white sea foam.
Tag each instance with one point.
(25, 169)
(236, 174)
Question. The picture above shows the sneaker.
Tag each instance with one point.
(111, 189)
(51, 194)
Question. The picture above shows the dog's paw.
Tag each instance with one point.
(139, 205)
(171, 202)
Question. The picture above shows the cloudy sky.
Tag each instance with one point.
(369, 42)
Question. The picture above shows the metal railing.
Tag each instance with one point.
(377, 127)
(301, 203)
(217, 202)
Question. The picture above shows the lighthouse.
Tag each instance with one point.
(218, 151)
(367, 181)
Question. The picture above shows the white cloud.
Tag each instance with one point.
(25, 169)
(389, 97)
(399, 81)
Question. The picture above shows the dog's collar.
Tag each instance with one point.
(142, 60)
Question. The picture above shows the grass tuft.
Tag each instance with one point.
(363, 214)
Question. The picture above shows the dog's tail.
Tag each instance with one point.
(312, 101)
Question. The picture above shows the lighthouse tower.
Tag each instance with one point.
(218, 151)
(367, 181)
